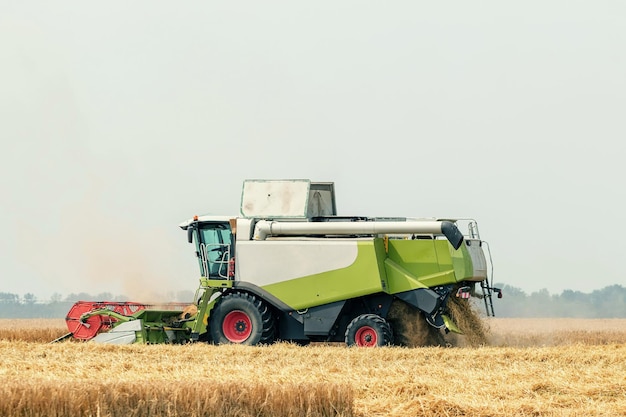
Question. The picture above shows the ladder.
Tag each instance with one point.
(487, 286)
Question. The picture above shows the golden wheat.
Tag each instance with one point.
(393, 381)
(32, 330)
(574, 367)
(171, 398)
(523, 332)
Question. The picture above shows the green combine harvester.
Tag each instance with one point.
(288, 268)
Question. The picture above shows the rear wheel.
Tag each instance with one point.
(241, 318)
(368, 330)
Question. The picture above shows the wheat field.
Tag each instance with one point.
(528, 367)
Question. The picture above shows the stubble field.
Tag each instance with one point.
(527, 367)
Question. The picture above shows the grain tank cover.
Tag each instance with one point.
(287, 199)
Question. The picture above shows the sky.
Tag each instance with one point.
(120, 120)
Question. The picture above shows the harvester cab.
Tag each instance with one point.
(289, 268)
(214, 247)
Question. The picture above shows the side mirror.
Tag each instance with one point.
(190, 234)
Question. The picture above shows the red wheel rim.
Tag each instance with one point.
(366, 336)
(237, 326)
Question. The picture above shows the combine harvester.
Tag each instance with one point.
(288, 268)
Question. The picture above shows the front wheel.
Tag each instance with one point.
(369, 330)
(241, 318)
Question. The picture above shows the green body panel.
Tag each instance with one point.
(156, 325)
(419, 263)
(405, 265)
(450, 325)
(462, 262)
(401, 279)
(207, 288)
(419, 257)
(365, 276)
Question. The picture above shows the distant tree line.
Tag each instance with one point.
(608, 302)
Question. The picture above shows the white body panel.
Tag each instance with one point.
(263, 263)
(123, 334)
(478, 259)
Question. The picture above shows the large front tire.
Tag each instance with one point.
(368, 330)
(242, 318)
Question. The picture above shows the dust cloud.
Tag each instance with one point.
(411, 330)
(93, 251)
(475, 330)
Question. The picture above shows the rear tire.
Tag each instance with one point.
(242, 318)
(369, 330)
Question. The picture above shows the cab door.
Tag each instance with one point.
(215, 249)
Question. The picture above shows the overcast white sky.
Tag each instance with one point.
(119, 120)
